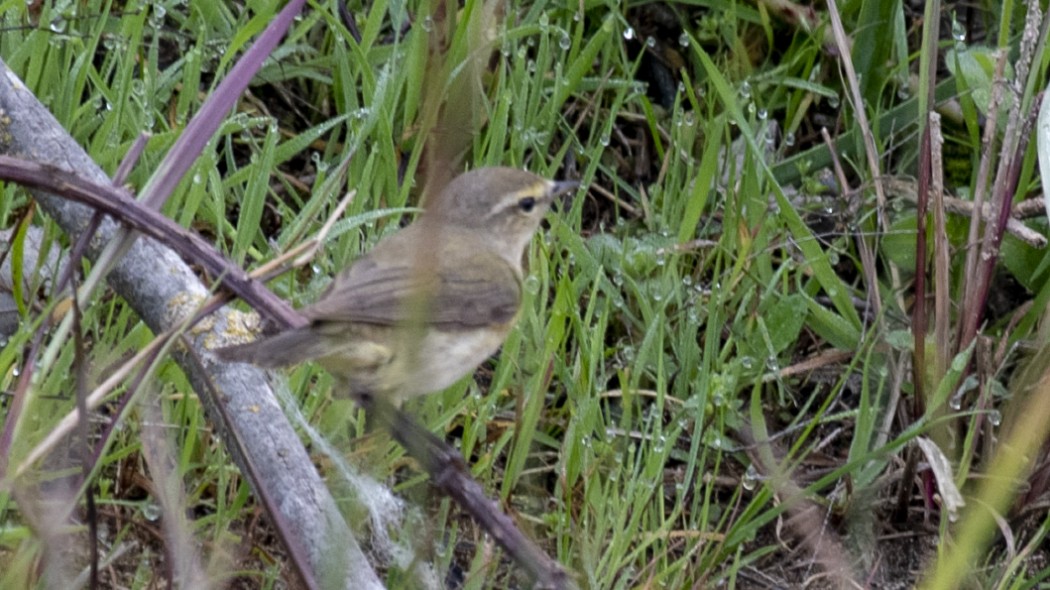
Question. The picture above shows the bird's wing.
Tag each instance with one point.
(447, 294)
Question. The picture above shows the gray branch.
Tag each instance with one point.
(161, 288)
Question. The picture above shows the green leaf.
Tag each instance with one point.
(1026, 263)
(832, 327)
(898, 245)
(784, 318)
(975, 68)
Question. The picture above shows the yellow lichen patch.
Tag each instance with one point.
(182, 306)
(6, 139)
(241, 327)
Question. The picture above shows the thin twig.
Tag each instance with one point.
(1008, 169)
(942, 257)
(973, 242)
(84, 430)
(448, 472)
(908, 190)
(118, 204)
(870, 150)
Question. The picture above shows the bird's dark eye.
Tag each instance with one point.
(527, 204)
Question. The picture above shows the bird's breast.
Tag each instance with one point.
(440, 358)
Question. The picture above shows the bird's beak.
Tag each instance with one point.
(560, 187)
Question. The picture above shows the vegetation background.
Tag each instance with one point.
(737, 365)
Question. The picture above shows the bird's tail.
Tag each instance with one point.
(287, 348)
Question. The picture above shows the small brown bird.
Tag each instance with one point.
(429, 303)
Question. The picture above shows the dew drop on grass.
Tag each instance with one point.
(683, 40)
(532, 284)
(564, 42)
(772, 363)
(159, 11)
(151, 511)
(628, 33)
(750, 479)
